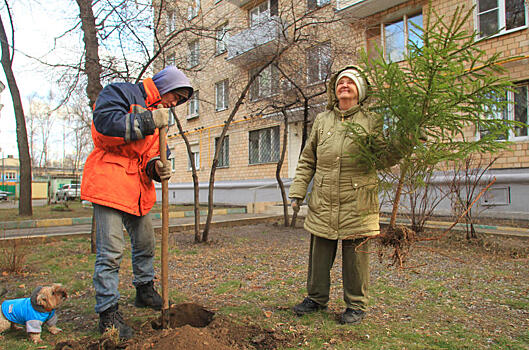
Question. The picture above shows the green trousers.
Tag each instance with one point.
(355, 271)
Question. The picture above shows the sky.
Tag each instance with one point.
(37, 23)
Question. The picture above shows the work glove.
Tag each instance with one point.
(161, 117)
(163, 170)
(295, 204)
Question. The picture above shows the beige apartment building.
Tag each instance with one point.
(306, 41)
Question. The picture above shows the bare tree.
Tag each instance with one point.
(24, 204)
(41, 119)
(467, 180)
(296, 27)
(196, 189)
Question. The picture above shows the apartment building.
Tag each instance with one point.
(300, 44)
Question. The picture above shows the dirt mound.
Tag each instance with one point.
(192, 327)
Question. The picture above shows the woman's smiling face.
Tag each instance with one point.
(346, 89)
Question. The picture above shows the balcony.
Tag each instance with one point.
(255, 44)
(364, 8)
(244, 3)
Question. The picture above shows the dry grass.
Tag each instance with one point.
(451, 294)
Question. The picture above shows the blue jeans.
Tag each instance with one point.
(110, 243)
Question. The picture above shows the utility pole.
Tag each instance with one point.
(3, 170)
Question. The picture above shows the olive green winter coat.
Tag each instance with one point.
(343, 203)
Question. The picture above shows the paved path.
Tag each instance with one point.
(82, 226)
(175, 224)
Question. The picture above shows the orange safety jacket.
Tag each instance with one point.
(117, 173)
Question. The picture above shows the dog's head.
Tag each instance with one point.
(50, 297)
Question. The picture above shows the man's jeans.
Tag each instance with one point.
(110, 243)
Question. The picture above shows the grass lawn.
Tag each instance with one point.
(451, 295)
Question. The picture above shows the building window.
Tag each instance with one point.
(314, 4)
(491, 113)
(170, 25)
(194, 52)
(262, 12)
(171, 59)
(224, 155)
(171, 119)
(193, 9)
(265, 84)
(195, 154)
(264, 145)
(318, 63)
(221, 95)
(500, 16)
(516, 110)
(401, 35)
(173, 164)
(221, 39)
(192, 106)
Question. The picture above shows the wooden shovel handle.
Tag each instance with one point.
(165, 230)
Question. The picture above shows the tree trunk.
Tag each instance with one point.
(92, 67)
(24, 203)
(92, 70)
(305, 124)
(280, 165)
(196, 187)
(398, 192)
(227, 123)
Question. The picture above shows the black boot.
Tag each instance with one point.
(352, 316)
(307, 306)
(147, 296)
(112, 318)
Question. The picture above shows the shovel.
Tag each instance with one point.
(165, 231)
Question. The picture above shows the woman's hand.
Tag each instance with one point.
(295, 204)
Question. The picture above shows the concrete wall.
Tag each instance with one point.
(227, 192)
(507, 198)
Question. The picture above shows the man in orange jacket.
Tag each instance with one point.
(118, 179)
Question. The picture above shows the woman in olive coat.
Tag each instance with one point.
(343, 204)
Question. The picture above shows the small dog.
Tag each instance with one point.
(34, 311)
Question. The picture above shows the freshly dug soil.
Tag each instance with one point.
(191, 327)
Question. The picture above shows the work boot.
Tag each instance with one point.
(112, 318)
(352, 316)
(307, 306)
(147, 296)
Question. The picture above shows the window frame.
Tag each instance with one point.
(225, 95)
(221, 44)
(170, 24)
(501, 19)
(275, 141)
(317, 51)
(260, 15)
(509, 113)
(194, 53)
(316, 4)
(192, 11)
(196, 157)
(195, 152)
(405, 19)
(171, 59)
(258, 83)
(272, 10)
(224, 154)
(511, 110)
(193, 106)
(171, 121)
